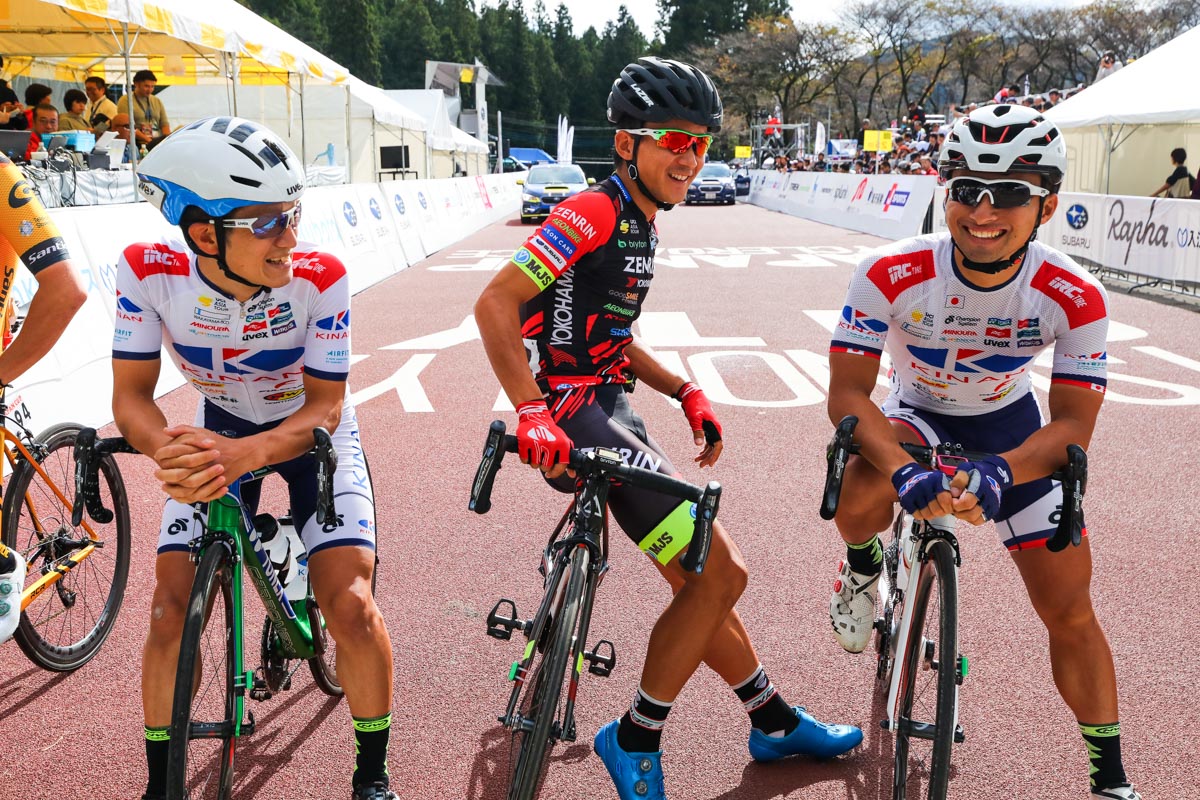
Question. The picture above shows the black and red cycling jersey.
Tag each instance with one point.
(592, 261)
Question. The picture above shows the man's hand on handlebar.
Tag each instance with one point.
(540, 442)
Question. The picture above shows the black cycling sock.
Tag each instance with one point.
(158, 742)
(370, 749)
(640, 730)
(1104, 751)
(767, 709)
(865, 558)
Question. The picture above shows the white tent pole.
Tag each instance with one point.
(1108, 161)
(133, 151)
(374, 149)
(288, 92)
(349, 163)
(499, 142)
(233, 78)
(303, 136)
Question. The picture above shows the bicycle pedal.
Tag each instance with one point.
(259, 690)
(959, 736)
(600, 663)
(569, 734)
(500, 625)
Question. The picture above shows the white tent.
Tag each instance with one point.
(1120, 132)
(189, 42)
(451, 146)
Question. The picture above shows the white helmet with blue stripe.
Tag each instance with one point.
(220, 164)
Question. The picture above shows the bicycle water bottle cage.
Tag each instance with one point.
(502, 620)
(602, 658)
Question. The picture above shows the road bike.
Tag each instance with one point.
(75, 571)
(918, 630)
(573, 564)
(209, 711)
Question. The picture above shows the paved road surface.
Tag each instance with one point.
(744, 299)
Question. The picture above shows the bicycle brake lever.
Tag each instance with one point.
(1074, 485)
(489, 465)
(706, 513)
(836, 457)
(326, 459)
(85, 441)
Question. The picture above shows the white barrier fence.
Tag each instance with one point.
(1158, 239)
(892, 206)
(377, 230)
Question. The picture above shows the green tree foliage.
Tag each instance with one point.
(354, 38)
(301, 18)
(409, 38)
(686, 24)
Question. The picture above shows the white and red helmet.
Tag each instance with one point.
(1005, 138)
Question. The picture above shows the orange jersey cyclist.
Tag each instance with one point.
(963, 315)
(260, 328)
(28, 235)
(575, 289)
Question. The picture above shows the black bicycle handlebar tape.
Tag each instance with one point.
(694, 559)
(1074, 485)
(494, 448)
(88, 452)
(326, 458)
(836, 456)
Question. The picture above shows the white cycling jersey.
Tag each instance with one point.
(247, 358)
(960, 350)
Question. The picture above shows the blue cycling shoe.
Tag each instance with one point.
(810, 738)
(638, 776)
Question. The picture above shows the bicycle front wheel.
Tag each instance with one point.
(203, 714)
(64, 626)
(538, 713)
(929, 682)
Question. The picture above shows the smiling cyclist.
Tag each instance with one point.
(575, 288)
(963, 314)
(260, 328)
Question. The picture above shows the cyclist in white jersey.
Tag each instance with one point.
(260, 326)
(962, 316)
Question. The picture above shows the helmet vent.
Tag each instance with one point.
(1030, 158)
(243, 132)
(221, 124)
(989, 158)
(245, 181)
(1001, 110)
(257, 161)
(273, 154)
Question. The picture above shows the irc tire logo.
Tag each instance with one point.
(350, 214)
(1077, 217)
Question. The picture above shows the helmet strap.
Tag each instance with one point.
(636, 176)
(220, 256)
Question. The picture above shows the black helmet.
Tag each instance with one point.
(658, 90)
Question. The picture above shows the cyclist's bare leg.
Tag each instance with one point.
(874, 498)
(683, 635)
(173, 574)
(341, 581)
(1058, 586)
(729, 653)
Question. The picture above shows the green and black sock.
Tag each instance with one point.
(865, 558)
(1104, 752)
(767, 709)
(370, 749)
(158, 742)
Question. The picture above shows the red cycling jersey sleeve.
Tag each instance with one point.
(577, 226)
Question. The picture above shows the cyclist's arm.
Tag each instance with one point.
(851, 381)
(1073, 412)
(59, 295)
(498, 315)
(649, 370)
(135, 413)
(293, 437)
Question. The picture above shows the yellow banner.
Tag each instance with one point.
(743, 151)
(878, 142)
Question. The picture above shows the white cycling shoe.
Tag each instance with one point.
(852, 608)
(1123, 792)
(12, 584)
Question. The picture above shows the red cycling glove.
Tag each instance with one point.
(699, 412)
(540, 441)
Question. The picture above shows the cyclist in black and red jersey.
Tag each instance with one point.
(575, 288)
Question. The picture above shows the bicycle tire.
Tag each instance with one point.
(324, 667)
(64, 628)
(936, 574)
(205, 696)
(546, 687)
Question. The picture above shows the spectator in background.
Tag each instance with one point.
(120, 126)
(147, 110)
(72, 119)
(917, 114)
(12, 115)
(1007, 94)
(100, 109)
(1108, 65)
(45, 120)
(1053, 98)
(1179, 182)
(35, 95)
(820, 165)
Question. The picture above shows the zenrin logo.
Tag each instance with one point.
(1077, 216)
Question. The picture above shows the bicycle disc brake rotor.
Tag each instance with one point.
(276, 667)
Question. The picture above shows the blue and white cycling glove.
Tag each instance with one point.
(991, 476)
(918, 486)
